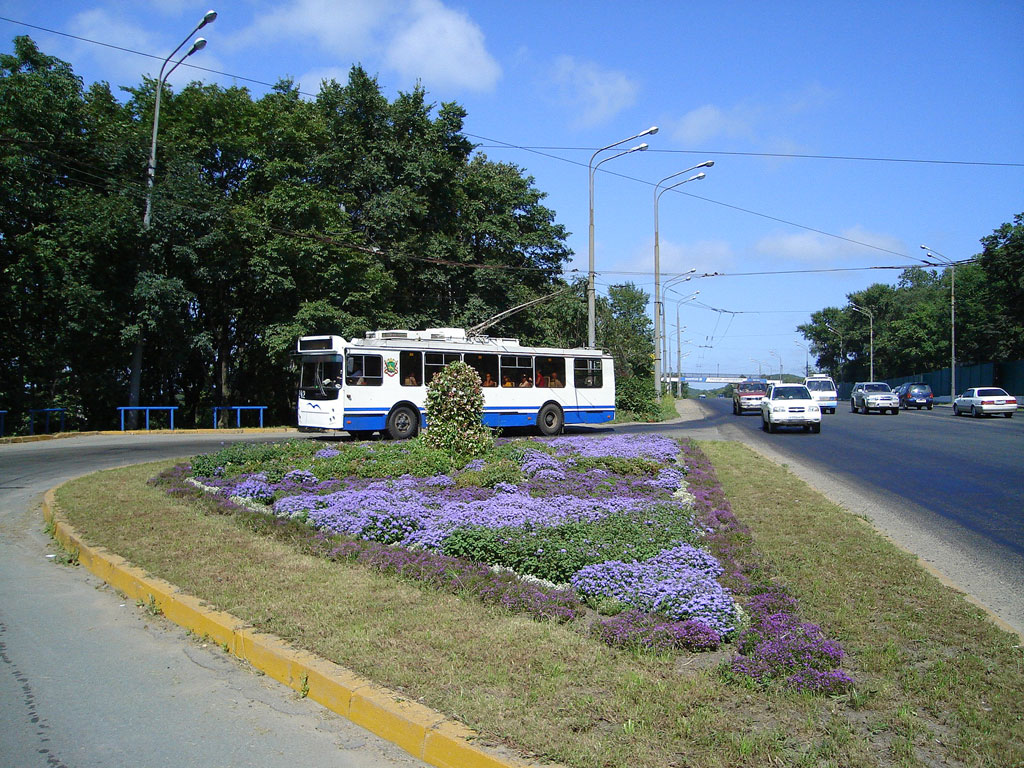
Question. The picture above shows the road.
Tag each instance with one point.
(948, 489)
(89, 680)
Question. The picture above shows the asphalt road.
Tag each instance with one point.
(87, 679)
(949, 489)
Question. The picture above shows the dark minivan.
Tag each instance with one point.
(915, 394)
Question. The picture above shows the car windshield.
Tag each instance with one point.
(790, 393)
(877, 388)
(992, 392)
(750, 386)
(821, 385)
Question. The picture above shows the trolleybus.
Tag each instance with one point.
(378, 384)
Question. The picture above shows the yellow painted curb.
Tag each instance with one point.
(419, 730)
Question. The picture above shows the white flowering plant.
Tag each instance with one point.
(455, 407)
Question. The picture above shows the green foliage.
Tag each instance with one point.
(558, 552)
(501, 471)
(455, 407)
(635, 396)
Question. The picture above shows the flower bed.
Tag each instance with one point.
(628, 525)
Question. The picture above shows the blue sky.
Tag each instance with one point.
(913, 112)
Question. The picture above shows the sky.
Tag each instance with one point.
(843, 135)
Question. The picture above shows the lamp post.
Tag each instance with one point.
(659, 317)
(591, 169)
(871, 322)
(952, 318)
(664, 334)
(807, 350)
(842, 358)
(759, 363)
(658, 309)
(208, 18)
(775, 354)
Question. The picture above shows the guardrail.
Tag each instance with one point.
(32, 418)
(147, 409)
(238, 413)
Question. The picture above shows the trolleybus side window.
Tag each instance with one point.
(550, 371)
(364, 371)
(435, 361)
(516, 371)
(486, 366)
(587, 372)
(410, 369)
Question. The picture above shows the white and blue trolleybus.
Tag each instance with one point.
(378, 384)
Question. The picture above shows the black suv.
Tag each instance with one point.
(915, 394)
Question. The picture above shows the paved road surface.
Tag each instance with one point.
(88, 680)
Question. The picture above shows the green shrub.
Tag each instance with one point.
(636, 396)
(455, 407)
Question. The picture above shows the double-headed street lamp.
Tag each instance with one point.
(208, 18)
(658, 309)
(659, 323)
(842, 357)
(952, 317)
(664, 334)
(591, 169)
(807, 352)
(871, 325)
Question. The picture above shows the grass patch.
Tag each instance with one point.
(937, 683)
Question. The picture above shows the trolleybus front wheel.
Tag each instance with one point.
(403, 423)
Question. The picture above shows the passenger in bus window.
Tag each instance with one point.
(507, 381)
(554, 381)
(525, 381)
(541, 380)
(411, 381)
(488, 381)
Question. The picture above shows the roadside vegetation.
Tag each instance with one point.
(926, 678)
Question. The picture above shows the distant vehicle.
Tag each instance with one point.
(747, 395)
(873, 396)
(823, 390)
(702, 396)
(984, 401)
(790, 405)
(915, 394)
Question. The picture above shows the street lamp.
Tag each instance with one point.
(842, 358)
(807, 351)
(659, 315)
(657, 259)
(591, 169)
(871, 322)
(664, 334)
(208, 18)
(775, 354)
(952, 318)
(759, 363)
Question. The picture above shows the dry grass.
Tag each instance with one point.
(938, 684)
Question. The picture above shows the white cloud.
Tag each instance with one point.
(596, 94)
(310, 81)
(767, 122)
(442, 47)
(709, 121)
(342, 28)
(815, 248)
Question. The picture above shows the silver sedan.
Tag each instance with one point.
(981, 401)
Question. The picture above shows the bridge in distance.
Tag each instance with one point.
(716, 378)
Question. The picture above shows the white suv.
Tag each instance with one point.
(874, 396)
(789, 405)
(823, 390)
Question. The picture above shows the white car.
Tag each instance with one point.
(979, 401)
(823, 390)
(789, 405)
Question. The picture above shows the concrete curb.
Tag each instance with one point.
(419, 730)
